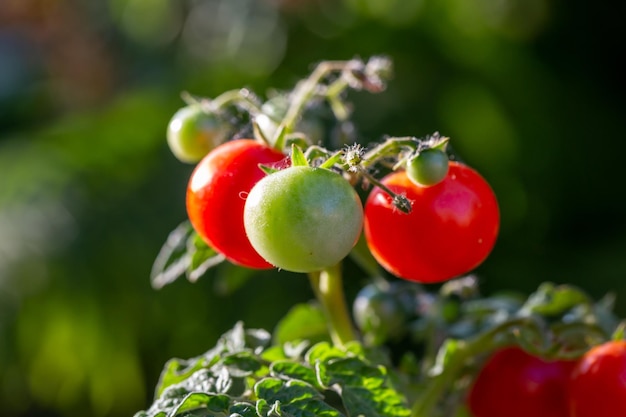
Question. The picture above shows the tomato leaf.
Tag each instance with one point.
(183, 254)
(237, 378)
(551, 300)
(302, 322)
(294, 398)
(202, 400)
(365, 389)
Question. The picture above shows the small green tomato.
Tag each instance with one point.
(428, 168)
(192, 133)
(303, 219)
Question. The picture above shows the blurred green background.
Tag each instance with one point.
(531, 92)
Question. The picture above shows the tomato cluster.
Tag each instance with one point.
(514, 383)
(305, 218)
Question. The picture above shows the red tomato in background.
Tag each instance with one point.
(514, 383)
(217, 192)
(451, 229)
(598, 383)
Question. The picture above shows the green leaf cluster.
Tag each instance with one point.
(245, 375)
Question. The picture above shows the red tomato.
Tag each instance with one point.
(598, 383)
(514, 383)
(450, 230)
(217, 192)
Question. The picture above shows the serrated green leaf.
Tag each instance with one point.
(262, 407)
(323, 351)
(293, 370)
(302, 322)
(380, 403)
(296, 398)
(183, 254)
(242, 364)
(242, 409)
(354, 372)
(203, 257)
(365, 389)
(201, 400)
(176, 371)
(551, 300)
(173, 259)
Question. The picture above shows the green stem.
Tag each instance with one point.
(437, 386)
(302, 94)
(328, 287)
(390, 147)
(242, 96)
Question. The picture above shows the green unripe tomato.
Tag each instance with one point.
(303, 219)
(428, 168)
(380, 315)
(192, 133)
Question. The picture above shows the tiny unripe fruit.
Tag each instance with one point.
(428, 168)
(192, 133)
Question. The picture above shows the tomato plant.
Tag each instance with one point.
(450, 230)
(216, 195)
(193, 132)
(303, 219)
(598, 382)
(406, 348)
(514, 383)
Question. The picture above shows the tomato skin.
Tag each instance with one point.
(303, 219)
(514, 383)
(216, 196)
(450, 230)
(598, 382)
(192, 133)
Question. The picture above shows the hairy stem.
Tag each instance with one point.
(328, 287)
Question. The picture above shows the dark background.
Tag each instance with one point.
(530, 91)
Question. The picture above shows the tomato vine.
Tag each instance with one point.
(286, 199)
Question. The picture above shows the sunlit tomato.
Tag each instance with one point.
(217, 192)
(303, 219)
(192, 133)
(598, 383)
(514, 383)
(450, 230)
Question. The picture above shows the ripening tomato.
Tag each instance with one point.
(514, 383)
(598, 383)
(303, 219)
(450, 230)
(192, 133)
(217, 192)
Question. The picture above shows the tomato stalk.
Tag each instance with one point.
(353, 74)
(243, 97)
(327, 285)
